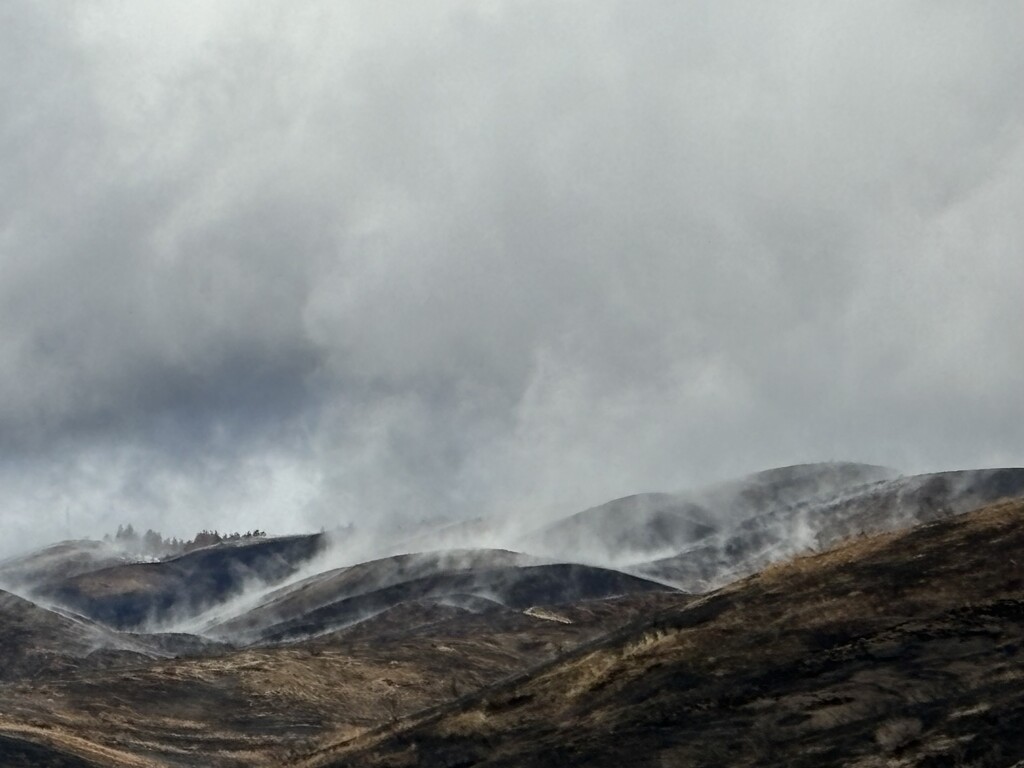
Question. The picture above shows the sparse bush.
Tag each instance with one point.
(393, 704)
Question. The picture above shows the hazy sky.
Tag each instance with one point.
(296, 264)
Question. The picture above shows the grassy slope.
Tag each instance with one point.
(902, 649)
(257, 706)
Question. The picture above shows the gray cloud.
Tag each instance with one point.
(261, 266)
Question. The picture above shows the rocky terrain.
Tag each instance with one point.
(816, 615)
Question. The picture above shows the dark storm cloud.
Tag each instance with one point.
(279, 267)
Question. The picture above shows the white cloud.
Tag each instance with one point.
(364, 259)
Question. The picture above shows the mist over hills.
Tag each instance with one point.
(34, 638)
(419, 361)
(644, 526)
(900, 649)
(130, 596)
(185, 591)
(784, 530)
(322, 589)
(278, 649)
(692, 541)
(39, 642)
(514, 587)
(50, 565)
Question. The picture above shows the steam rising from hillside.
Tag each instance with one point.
(289, 268)
(255, 590)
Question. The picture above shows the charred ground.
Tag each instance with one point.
(899, 647)
(903, 649)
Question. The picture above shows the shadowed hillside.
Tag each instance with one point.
(291, 602)
(35, 640)
(19, 753)
(49, 566)
(130, 596)
(512, 587)
(38, 642)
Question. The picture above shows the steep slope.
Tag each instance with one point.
(784, 530)
(651, 525)
(131, 596)
(901, 649)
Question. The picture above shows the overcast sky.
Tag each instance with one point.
(296, 264)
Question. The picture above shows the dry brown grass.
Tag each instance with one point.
(782, 618)
(74, 744)
(894, 734)
(465, 723)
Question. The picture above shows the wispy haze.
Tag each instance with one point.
(290, 265)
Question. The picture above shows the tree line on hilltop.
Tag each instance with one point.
(153, 543)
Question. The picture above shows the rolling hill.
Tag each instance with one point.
(140, 594)
(291, 602)
(47, 567)
(36, 641)
(840, 615)
(783, 531)
(648, 526)
(897, 649)
(466, 579)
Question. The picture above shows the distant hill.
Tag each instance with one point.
(53, 564)
(782, 531)
(651, 525)
(135, 595)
